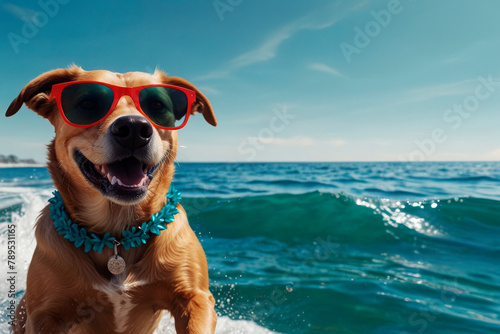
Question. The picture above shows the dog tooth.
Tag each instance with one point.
(114, 180)
(127, 185)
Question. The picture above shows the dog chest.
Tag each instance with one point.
(120, 299)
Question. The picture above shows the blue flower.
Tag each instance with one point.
(130, 238)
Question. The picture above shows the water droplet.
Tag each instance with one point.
(289, 287)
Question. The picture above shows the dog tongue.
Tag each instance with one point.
(128, 172)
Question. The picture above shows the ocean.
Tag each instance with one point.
(344, 248)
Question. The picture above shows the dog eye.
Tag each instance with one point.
(156, 105)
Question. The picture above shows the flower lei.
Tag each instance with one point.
(130, 238)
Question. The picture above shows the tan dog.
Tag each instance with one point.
(72, 291)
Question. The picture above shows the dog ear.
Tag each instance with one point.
(36, 93)
(202, 105)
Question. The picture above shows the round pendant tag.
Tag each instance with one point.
(116, 264)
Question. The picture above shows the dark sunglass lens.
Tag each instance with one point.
(166, 107)
(86, 103)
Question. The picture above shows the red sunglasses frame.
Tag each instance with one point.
(118, 93)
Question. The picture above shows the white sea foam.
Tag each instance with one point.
(225, 325)
(32, 201)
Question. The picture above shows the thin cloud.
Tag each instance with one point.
(493, 155)
(431, 92)
(294, 141)
(459, 89)
(325, 69)
(336, 143)
(451, 157)
(316, 20)
(446, 89)
(217, 74)
(452, 60)
(265, 51)
(207, 90)
(427, 93)
(20, 12)
(300, 141)
(360, 5)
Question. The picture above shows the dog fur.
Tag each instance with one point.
(70, 291)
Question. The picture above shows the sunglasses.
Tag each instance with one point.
(86, 103)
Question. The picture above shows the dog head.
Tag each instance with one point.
(122, 160)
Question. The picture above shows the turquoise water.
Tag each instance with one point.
(327, 247)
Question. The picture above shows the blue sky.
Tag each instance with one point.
(288, 80)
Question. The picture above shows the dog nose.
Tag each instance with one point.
(132, 131)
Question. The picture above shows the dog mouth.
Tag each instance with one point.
(126, 180)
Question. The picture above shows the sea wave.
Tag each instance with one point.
(397, 256)
(347, 218)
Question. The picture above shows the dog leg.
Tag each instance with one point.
(45, 324)
(197, 316)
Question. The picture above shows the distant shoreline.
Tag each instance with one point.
(19, 164)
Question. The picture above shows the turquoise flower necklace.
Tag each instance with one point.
(133, 237)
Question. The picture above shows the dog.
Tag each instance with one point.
(113, 169)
